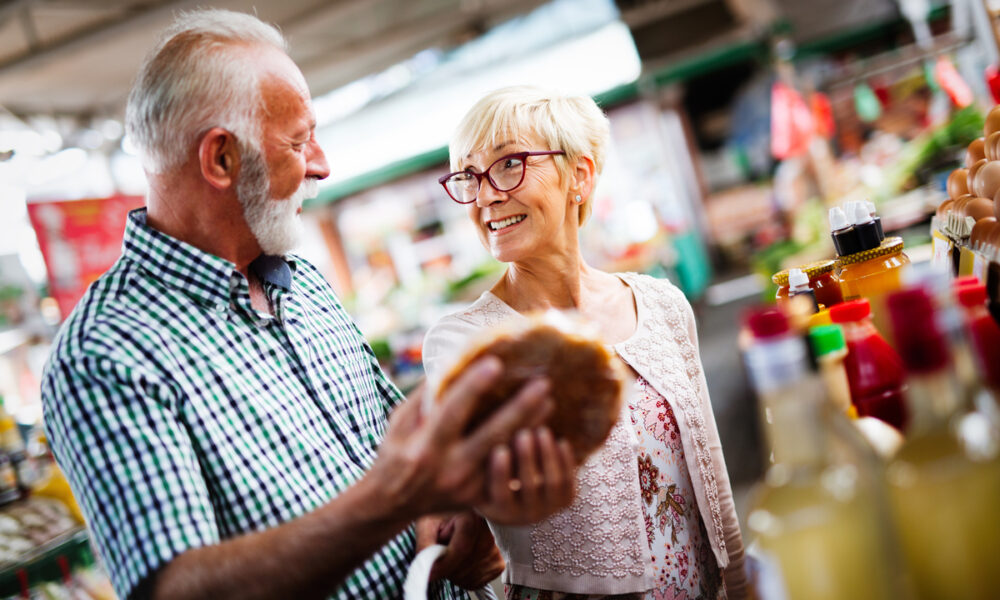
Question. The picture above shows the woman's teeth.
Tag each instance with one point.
(496, 225)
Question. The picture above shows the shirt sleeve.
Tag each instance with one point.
(130, 463)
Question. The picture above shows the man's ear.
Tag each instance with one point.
(218, 158)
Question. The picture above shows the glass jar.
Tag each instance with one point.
(873, 274)
(822, 281)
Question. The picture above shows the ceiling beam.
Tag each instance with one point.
(79, 39)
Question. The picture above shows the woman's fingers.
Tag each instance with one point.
(528, 408)
(554, 471)
(526, 461)
(568, 490)
(502, 486)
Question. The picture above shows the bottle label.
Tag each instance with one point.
(764, 573)
(941, 248)
(979, 266)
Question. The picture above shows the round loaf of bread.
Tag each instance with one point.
(586, 381)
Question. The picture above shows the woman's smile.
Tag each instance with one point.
(505, 225)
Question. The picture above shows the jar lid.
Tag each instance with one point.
(888, 246)
(812, 270)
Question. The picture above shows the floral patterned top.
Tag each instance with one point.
(684, 566)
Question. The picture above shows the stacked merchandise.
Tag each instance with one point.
(882, 414)
(964, 228)
(44, 547)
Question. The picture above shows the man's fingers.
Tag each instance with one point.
(450, 417)
(406, 416)
(528, 408)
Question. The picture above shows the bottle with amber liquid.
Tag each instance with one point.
(819, 519)
(945, 480)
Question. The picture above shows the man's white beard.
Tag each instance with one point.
(275, 223)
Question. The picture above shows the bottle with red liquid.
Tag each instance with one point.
(874, 370)
(984, 335)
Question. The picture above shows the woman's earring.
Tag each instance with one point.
(578, 199)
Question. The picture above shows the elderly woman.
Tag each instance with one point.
(654, 515)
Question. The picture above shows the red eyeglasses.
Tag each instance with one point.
(505, 174)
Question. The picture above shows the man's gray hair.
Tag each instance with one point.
(195, 79)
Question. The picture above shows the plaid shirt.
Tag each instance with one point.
(183, 417)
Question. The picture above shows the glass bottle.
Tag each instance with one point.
(945, 480)
(819, 521)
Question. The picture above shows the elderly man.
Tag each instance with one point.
(222, 421)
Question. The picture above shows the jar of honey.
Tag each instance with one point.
(873, 274)
(823, 282)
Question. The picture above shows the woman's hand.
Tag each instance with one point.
(542, 482)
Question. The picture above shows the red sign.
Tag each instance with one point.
(80, 240)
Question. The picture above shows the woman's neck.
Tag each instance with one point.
(554, 282)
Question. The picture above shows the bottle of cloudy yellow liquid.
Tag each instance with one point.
(819, 520)
(945, 480)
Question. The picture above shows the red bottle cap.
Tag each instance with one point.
(965, 280)
(766, 322)
(848, 312)
(971, 295)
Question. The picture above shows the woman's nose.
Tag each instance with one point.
(488, 194)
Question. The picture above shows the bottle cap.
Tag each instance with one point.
(861, 214)
(766, 323)
(965, 280)
(849, 312)
(972, 294)
(838, 219)
(826, 339)
(849, 207)
(797, 279)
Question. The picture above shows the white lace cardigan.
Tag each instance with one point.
(664, 351)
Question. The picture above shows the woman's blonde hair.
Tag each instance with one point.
(574, 124)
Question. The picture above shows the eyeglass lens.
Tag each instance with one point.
(505, 174)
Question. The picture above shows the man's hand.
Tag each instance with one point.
(471, 559)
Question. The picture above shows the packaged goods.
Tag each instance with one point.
(945, 479)
(874, 370)
(819, 517)
(822, 280)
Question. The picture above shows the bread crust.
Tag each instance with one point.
(586, 381)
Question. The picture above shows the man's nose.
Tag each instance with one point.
(316, 162)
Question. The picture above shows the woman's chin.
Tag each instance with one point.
(506, 254)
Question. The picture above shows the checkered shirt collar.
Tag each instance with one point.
(209, 279)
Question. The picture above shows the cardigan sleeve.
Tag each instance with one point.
(443, 344)
(737, 586)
